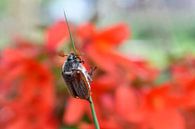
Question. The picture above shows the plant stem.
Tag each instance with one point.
(93, 113)
(70, 34)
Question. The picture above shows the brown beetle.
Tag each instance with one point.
(76, 77)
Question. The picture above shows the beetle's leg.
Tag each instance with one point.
(90, 74)
(82, 61)
(92, 71)
(62, 54)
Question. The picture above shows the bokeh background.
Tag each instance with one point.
(166, 25)
(143, 49)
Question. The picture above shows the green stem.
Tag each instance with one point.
(93, 113)
(70, 34)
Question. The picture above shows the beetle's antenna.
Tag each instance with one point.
(62, 54)
(70, 34)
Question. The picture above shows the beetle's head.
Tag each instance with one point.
(74, 58)
(71, 57)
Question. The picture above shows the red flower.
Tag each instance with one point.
(56, 35)
(27, 91)
(183, 75)
(75, 110)
(161, 105)
(99, 46)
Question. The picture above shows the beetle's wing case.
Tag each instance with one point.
(85, 73)
(81, 84)
(77, 82)
(68, 80)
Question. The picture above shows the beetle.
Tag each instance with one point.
(76, 77)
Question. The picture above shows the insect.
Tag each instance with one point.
(75, 75)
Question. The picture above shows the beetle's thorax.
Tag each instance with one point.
(72, 62)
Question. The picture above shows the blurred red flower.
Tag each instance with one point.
(27, 90)
(183, 74)
(56, 35)
(160, 107)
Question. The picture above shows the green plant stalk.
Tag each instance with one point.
(93, 113)
(70, 34)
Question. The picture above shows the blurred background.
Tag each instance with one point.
(166, 25)
(144, 51)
